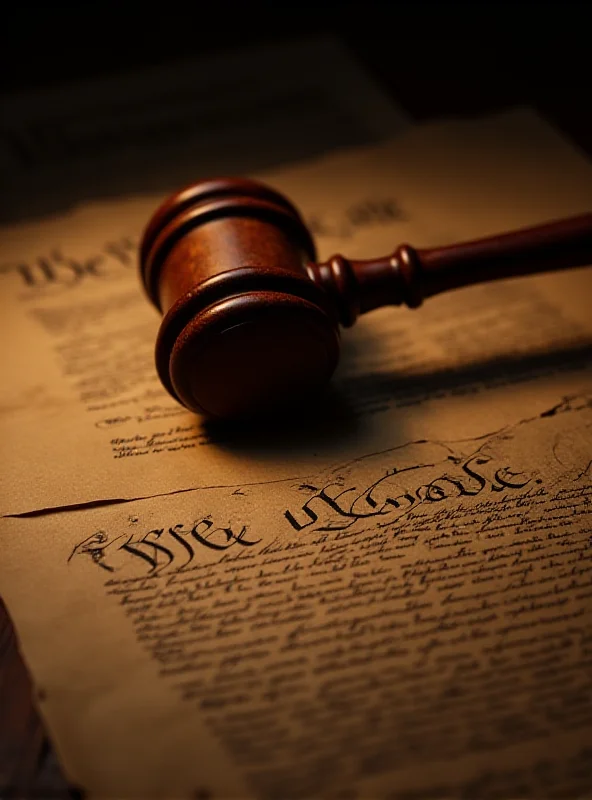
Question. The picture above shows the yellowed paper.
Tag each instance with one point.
(412, 623)
(79, 380)
(394, 601)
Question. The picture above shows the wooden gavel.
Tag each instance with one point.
(252, 321)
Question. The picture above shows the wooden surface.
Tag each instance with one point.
(28, 767)
(435, 59)
(236, 340)
(239, 340)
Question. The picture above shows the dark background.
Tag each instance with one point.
(435, 58)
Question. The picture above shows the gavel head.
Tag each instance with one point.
(245, 327)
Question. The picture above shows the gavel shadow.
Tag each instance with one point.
(347, 410)
(507, 370)
(324, 419)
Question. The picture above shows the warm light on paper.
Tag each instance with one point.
(392, 599)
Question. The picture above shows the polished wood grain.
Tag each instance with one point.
(251, 321)
(26, 770)
(408, 275)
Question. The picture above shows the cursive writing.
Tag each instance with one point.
(390, 496)
(56, 271)
(159, 548)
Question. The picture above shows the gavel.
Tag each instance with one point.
(251, 321)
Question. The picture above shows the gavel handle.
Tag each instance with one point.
(409, 275)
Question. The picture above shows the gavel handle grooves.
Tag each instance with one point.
(409, 275)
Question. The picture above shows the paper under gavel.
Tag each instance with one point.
(251, 321)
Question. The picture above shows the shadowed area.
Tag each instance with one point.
(343, 412)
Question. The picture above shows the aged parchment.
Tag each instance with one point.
(412, 623)
(393, 600)
(79, 381)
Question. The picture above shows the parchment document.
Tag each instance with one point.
(82, 412)
(391, 599)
